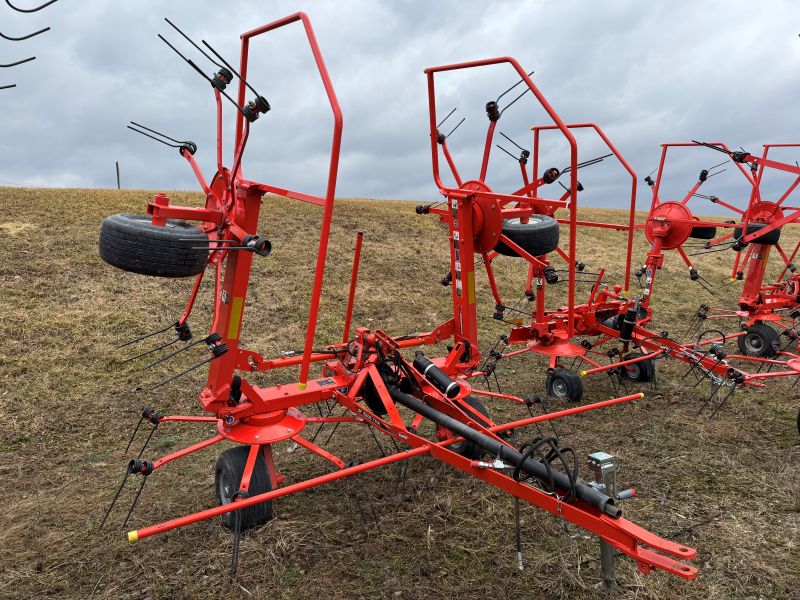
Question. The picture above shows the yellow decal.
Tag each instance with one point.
(471, 287)
(235, 317)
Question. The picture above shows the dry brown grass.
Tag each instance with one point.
(728, 487)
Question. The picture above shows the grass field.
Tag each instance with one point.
(729, 487)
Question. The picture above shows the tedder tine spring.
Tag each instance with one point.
(207, 340)
(135, 500)
(192, 42)
(510, 104)
(147, 335)
(518, 535)
(135, 431)
(200, 72)
(23, 37)
(19, 62)
(440, 123)
(237, 535)
(147, 441)
(216, 351)
(190, 146)
(156, 349)
(730, 393)
(512, 141)
(148, 414)
(116, 496)
(507, 152)
(453, 130)
(181, 374)
(31, 10)
(232, 70)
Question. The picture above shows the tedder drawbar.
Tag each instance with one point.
(368, 373)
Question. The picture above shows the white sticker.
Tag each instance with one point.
(455, 236)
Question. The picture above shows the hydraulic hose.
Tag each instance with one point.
(583, 492)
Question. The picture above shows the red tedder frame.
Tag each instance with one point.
(670, 224)
(475, 216)
(366, 373)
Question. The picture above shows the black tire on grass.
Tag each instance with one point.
(227, 478)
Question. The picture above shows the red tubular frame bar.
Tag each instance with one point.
(631, 227)
(457, 192)
(333, 169)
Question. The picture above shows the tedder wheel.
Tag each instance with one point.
(466, 448)
(642, 371)
(768, 239)
(228, 476)
(703, 233)
(565, 385)
(538, 236)
(132, 243)
(757, 341)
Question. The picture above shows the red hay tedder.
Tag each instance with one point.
(525, 224)
(368, 373)
(752, 234)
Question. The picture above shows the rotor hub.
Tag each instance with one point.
(671, 222)
(265, 428)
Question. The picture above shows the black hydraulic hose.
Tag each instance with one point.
(583, 492)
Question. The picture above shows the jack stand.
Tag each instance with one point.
(604, 467)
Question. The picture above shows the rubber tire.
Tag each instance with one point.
(537, 237)
(766, 334)
(703, 233)
(645, 369)
(228, 472)
(466, 448)
(572, 385)
(132, 243)
(769, 239)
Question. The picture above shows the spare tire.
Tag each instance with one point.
(132, 243)
(703, 233)
(538, 236)
(768, 239)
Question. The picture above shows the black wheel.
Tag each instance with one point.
(768, 239)
(466, 448)
(642, 371)
(538, 236)
(228, 476)
(565, 385)
(703, 233)
(758, 341)
(132, 243)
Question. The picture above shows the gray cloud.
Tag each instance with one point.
(647, 73)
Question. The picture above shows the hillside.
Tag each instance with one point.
(729, 487)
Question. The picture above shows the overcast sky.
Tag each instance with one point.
(647, 72)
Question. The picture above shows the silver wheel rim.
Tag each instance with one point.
(559, 388)
(754, 343)
(634, 372)
(224, 490)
